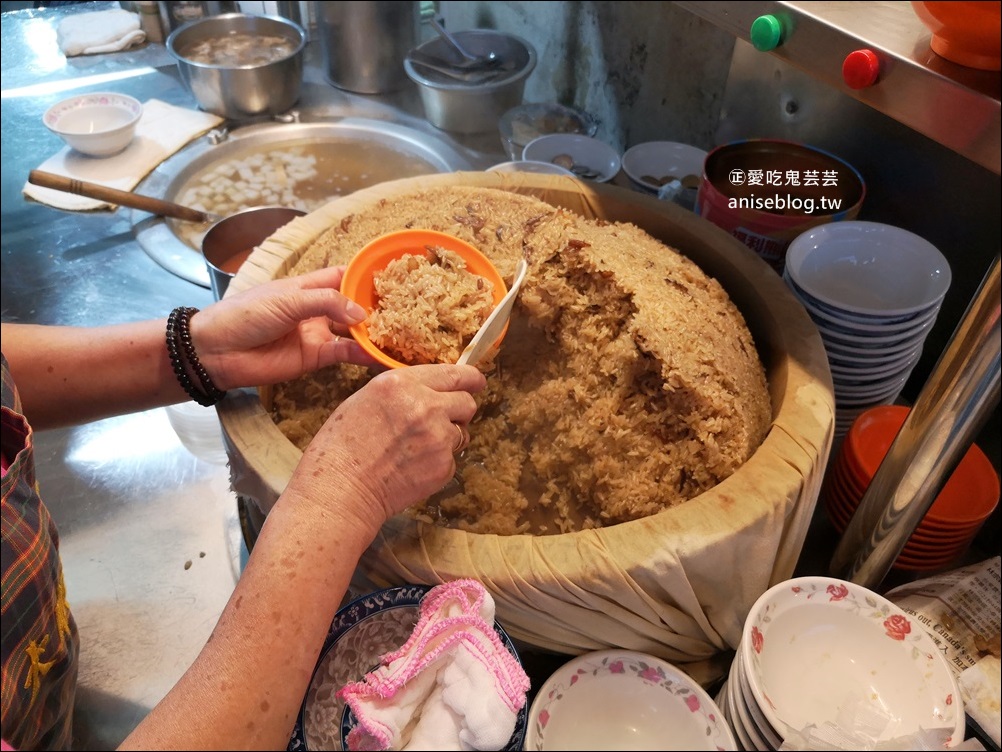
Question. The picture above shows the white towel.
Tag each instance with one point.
(99, 31)
(162, 130)
(452, 686)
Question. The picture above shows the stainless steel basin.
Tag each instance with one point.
(397, 151)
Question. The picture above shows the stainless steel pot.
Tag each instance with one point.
(461, 104)
(229, 242)
(364, 43)
(241, 92)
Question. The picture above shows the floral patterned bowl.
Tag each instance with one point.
(98, 125)
(621, 699)
(818, 650)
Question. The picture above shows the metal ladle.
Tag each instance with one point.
(464, 75)
(469, 61)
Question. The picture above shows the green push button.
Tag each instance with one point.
(766, 33)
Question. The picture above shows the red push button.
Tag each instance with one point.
(860, 69)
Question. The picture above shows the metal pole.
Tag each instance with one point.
(952, 407)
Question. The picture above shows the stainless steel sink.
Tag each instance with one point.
(405, 152)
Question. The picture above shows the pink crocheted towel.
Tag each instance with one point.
(452, 685)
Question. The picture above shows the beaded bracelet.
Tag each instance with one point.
(183, 357)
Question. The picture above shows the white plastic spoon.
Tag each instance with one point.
(491, 329)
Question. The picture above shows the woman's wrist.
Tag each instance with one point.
(320, 490)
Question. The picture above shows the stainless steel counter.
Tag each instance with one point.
(151, 543)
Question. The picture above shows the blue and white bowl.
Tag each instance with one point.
(361, 633)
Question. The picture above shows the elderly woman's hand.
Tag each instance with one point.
(391, 443)
(278, 331)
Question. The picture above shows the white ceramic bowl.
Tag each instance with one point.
(840, 323)
(865, 384)
(97, 125)
(741, 718)
(863, 353)
(847, 370)
(522, 165)
(588, 154)
(361, 633)
(744, 700)
(813, 647)
(840, 336)
(872, 359)
(624, 700)
(651, 164)
(868, 268)
(849, 401)
(853, 317)
(742, 733)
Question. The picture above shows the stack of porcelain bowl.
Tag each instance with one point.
(624, 699)
(968, 498)
(874, 292)
(827, 664)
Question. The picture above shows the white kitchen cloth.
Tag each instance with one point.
(99, 31)
(452, 686)
(162, 130)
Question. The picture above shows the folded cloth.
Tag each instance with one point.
(452, 685)
(99, 31)
(162, 130)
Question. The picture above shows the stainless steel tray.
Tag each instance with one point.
(155, 234)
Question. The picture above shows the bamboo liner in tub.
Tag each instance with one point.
(677, 584)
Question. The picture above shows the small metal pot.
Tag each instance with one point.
(475, 104)
(229, 242)
(241, 92)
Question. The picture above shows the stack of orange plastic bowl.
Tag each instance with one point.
(967, 499)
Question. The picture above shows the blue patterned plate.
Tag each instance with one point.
(361, 633)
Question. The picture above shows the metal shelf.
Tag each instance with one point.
(955, 106)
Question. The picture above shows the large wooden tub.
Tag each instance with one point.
(677, 584)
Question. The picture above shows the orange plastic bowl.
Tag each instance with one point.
(357, 282)
(970, 494)
(963, 32)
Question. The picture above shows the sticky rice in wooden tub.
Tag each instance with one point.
(677, 583)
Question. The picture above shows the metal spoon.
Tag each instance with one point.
(491, 329)
(469, 60)
(122, 198)
(463, 75)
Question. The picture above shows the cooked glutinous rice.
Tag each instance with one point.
(628, 381)
(428, 307)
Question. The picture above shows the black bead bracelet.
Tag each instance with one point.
(183, 357)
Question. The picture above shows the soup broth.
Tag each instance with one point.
(303, 176)
(240, 50)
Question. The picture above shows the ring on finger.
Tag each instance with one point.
(463, 441)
